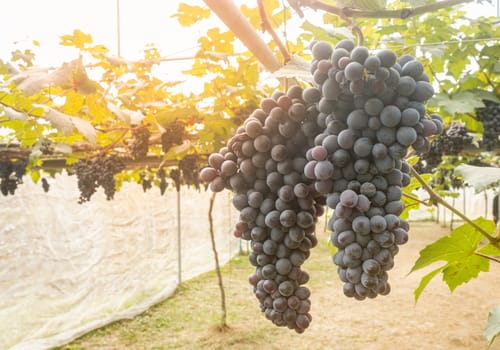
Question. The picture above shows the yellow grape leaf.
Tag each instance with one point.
(78, 39)
(188, 15)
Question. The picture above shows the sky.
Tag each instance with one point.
(141, 23)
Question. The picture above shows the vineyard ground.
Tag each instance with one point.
(439, 320)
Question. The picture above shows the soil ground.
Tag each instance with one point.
(440, 319)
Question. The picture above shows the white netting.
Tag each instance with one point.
(69, 268)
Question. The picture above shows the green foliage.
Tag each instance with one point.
(458, 251)
(493, 326)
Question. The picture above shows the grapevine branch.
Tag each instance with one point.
(223, 324)
(435, 198)
(416, 199)
(266, 26)
(401, 13)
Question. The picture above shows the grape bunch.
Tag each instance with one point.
(339, 143)
(490, 117)
(140, 142)
(162, 175)
(95, 173)
(263, 164)
(372, 110)
(190, 169)
(172, 136)
(11, 174)
(45, 185)
(450, 143)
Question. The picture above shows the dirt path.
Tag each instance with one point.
(440, 320)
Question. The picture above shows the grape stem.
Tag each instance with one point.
(436, 198)
(401, 13)
(489, 257)
(427, 203)
(223, 324)
(266, 26)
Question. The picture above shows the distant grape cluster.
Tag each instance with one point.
(190, 169)
(172, 136)
(97, 172)
(11, 174)
(139, 145)
(490, 117)
(339, 143)
(449, 143)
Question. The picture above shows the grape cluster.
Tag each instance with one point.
(263, 164)
(45, 185)
(372, 110)
(339, 143)
(446, 180)
(163, 181)
(11, 174)
(100, 171)
(490, 117)
(190, 169)
(140, 142)
(172, 136)
(449, 143)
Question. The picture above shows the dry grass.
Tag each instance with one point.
(191, 318)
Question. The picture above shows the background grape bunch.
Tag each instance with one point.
(490, 117)
(340, 143)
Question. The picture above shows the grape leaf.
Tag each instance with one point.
(295, 68)
(490, 177)
(425, 281)
(492, 329)
(462, 102)
(463, 271)
(456, 247)
(496, 68)
(188, 15)
(458, 251)
(12, 114)
(490, 249)
(342, 31)
(79, 39)
(66, 123)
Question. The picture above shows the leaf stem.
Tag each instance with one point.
(436, 198)
(489, 257)
(412, 197)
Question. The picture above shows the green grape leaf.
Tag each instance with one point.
(462, 102)
(459, 245)
(490, 249)
(463, 271)
(492, 329)
(35, 175)
(496, 68)
(342, 31)
(425, 281)
(458, 251)
(297, 68)
(486, 95)
(489, 176)
(317, 32)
